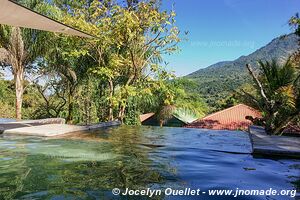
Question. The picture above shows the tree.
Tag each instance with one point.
(15, 55)
(52, 93)
(148, 35)
(60, 61)
(277, 96)
(21, 49)
(131, 41)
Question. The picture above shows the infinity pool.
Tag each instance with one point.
(90, 165)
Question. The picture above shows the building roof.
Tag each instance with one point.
(233, 118)
(146, 116)
(14, 14)
(180, 116)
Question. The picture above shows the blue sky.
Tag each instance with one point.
(222, 30)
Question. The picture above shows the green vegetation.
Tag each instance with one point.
(20, 50)
(70, 168)
(217, 83)
(276, 89)
(119, 74)
(295, 58)
(277, 94)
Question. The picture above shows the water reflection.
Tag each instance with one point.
(36, 168)
(90, 165)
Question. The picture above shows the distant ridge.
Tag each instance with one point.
(218, 80)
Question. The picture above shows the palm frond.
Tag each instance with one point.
(166, 113)
(288, 95)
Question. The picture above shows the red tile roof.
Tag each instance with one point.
(233, 118)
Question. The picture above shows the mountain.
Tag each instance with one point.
(219, 80)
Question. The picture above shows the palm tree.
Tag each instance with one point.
(15, 55)
(165, 113)
(277, 94)
(20, 49)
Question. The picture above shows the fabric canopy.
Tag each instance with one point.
(14, 14)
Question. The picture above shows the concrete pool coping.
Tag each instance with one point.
(34, 128)
(272, 145)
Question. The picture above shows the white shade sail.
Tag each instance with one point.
(14, 14)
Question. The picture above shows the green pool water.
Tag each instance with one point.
(89, 167)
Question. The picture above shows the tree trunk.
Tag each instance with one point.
(18, 77)
(122, 113)
(70, 106)
(111, 104)
(161, 122)
(123, 107)
(70, 109)
(16, 58)
(86, 112)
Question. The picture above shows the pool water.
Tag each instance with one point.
(90, 165)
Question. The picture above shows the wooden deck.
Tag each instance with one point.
(263, 144)
(50, 130)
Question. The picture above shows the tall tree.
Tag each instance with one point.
(130, 44)
(12, 42)
(21, 48)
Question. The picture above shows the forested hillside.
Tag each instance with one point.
(217, 82)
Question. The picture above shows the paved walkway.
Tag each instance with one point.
(273, 145)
